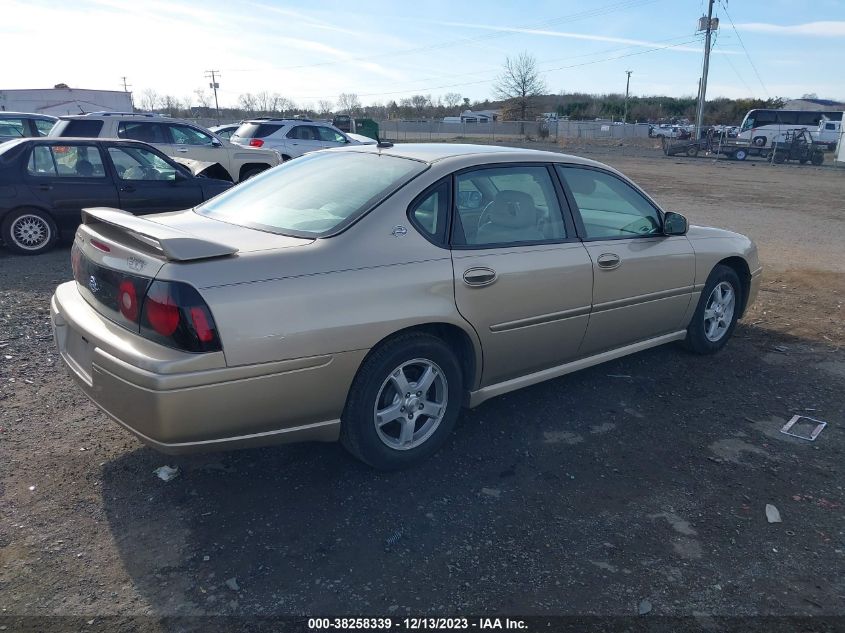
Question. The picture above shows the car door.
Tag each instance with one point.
(68, 177)
(302, 139)
(522, 277)
(193, 143)
(148, 183)
(642, 279)
(151, 132)
(330, 137)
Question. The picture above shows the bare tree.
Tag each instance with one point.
(451, 99)
(348, 102)
(520, 83)
(264, 101)
(202, 98)
(149, 100)
(171, 104)
(325, 107)
(247, 101)
(420, 103)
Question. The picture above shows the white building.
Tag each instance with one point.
(58, 101)
(479, 116)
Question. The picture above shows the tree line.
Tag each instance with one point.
(520, 94)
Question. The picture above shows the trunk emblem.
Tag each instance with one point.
(93, 284)
(135, 264)
(399, 231)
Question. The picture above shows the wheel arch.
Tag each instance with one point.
(464, 343)
(740, 267)
(250, 166)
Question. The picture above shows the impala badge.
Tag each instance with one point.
(399, 231)
(93, 284)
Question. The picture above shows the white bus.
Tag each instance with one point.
(761, 127)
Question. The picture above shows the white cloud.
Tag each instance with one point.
(815, 29)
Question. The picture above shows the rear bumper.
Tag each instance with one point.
(180, 402)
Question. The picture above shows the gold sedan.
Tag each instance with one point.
(366, 294)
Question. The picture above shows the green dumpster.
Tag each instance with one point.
(367, 127)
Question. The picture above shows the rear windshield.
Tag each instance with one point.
(79, 128)
(256, 130)
(314, 195)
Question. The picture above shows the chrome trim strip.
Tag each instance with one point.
(491, 391)
(539, 320)
(652, 296)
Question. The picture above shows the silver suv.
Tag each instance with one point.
(294, 137)
(198, 148)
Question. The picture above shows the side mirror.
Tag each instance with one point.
(674, 224)
(180, 174)
(216, 142)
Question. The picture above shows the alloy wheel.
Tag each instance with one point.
(411, 404)
(30, 232)
(719, 311)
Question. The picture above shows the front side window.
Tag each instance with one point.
(66, 161)
(186, 135)
(314, 195)
(330, 135)
(13, 128)
(142, 131)
(43, 127)
(506, 205)
(609, 207)
(134, 163)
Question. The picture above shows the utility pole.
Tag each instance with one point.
(708, 25)
(627, 86)
(214, 75)
(126, 88)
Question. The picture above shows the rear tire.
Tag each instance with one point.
(717, 312)
(692, 151)
(741, 154)
(779, 158)
(29, 232)
(403, 403)
(817, 159)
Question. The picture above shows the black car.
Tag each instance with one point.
(45, 183)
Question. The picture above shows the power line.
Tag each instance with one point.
(488, 80)
(741, 43)
(214, 75)
(581, 15)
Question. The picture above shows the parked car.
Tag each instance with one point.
(15, 125)
(366, 294)
(215, 157)
(225, 131)
(294, 137)
(46, 183)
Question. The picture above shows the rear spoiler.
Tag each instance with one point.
(174, 244)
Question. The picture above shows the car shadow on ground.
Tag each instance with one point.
(643, 478)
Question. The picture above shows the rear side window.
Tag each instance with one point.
(81, 128)
(257, 130)
(143, 131)
(429, 212)
(66, 161)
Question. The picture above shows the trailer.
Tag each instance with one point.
(714, 145)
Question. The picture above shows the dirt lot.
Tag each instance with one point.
(645, 479)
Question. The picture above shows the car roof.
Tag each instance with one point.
(28, 115)
(434, 152)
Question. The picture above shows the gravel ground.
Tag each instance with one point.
(644, 479)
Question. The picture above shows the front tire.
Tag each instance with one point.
(29, 232)
(403, 403)
(717, 313)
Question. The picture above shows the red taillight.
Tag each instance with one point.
(255, 142)
(127, 300)
(161, 309)
(175, 314)
(76, 263)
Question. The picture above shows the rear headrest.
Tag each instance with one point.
(580, 181)
(513, 209)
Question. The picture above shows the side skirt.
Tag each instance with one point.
(491, 391)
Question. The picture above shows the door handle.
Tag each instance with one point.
(480, 276)
(184, 150)
(608, 261)
(127, 188)
(45, 187)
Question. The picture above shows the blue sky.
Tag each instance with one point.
(388, 50)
